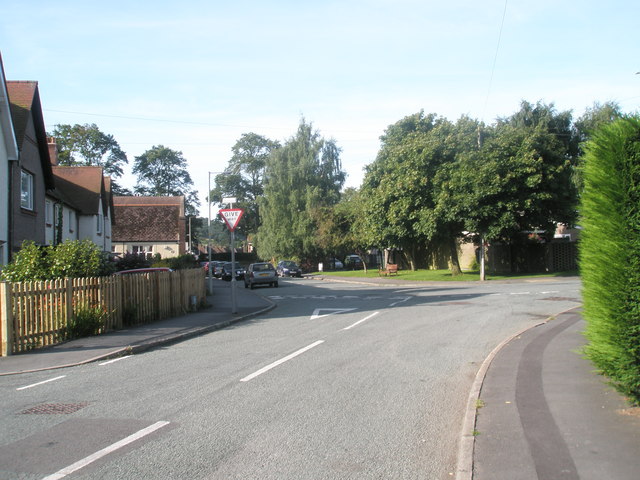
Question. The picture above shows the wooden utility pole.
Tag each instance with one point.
(482, 272)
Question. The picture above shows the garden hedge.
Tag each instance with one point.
(610, 253)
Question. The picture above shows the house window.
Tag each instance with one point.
(99, 224)
(26, 190)
(48, 213)
(57, 218)
(71, 221)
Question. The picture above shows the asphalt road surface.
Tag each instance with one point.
(341, 381)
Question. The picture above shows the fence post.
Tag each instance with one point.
(6, 319)
(68, 299)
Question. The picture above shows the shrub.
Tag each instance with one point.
(87, 321)
(177, 263)
(74, 259)
(29, 264)
(610, 253)
(129, 261)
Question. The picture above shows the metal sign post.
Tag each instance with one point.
(232, 217)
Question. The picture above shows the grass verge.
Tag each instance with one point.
(441, 275)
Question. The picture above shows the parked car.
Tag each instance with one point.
(226, 271)
(333, 264)
(260, 273)
(353, 262)
(216, 268)
(288, 268)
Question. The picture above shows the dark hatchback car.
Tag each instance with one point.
(226, 271)
(289, 268)
(260, 274)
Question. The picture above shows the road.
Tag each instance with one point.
(341, 381)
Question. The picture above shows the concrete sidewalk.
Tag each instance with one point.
(545, 414)
(136, 339)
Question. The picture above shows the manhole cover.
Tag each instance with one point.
(55, 408)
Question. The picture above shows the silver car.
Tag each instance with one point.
(260, 273)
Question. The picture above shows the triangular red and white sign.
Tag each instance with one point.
(231, 217)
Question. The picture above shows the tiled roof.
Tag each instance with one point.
(145, 201)
(81, 187)
(25, 101)
(148, 219)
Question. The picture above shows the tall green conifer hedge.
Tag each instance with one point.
(610, 253)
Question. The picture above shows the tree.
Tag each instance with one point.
(244, 177)
(597, 116)
(610, 253)
(301, 177)
(161, 172)
(87, 145)
(531, 160)
(593, 118)
(399, 192)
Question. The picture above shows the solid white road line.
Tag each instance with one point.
(281, 361)
(360, 321)
(40, 383)
(115, 360)
(105, 451)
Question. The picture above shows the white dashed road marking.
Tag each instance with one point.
(105, 451)
(40, 383)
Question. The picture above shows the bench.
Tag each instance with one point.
(392, 269)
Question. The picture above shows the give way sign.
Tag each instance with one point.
(231, 217)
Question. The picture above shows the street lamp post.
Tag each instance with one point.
(209, 235)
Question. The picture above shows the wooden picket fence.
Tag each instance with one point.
(36, 314)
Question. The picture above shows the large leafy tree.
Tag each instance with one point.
(399, 189)
(87, 145)
(161, 172)
(338, 229)
(529, 162)
(301, 177)
(244, 177)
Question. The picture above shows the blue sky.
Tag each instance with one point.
(195, 75)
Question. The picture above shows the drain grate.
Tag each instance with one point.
(55, 408)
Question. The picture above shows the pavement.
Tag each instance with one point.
(544, 413)
(536, 410)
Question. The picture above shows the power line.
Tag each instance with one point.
(495, 59)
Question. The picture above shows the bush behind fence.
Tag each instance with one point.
(37, 314)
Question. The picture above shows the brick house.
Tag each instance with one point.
(149, 225)
(31, 175)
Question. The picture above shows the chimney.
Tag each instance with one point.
(53, 151)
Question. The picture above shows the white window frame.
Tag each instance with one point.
(26, 190)
(48, 213)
